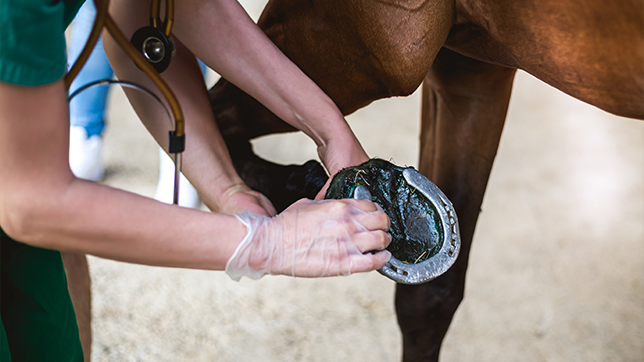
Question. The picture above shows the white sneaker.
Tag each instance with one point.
(85, 154)
(188, 196)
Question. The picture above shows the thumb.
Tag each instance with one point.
(322, 193)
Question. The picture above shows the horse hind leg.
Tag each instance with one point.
(241, 118)
(282, 184)
(463, 112)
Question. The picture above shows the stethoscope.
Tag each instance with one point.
(151, 49)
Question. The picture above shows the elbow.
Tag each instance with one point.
(17, 221)
(26, 222)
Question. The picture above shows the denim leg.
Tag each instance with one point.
(87, 109)
(203, 67)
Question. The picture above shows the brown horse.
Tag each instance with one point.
(465, 53)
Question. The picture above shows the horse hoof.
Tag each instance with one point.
(424, 226)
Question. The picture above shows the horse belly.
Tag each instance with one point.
(595, 55)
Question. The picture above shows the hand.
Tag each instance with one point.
(320, 196)
(338, 154)
(313, 239)
(239, 198)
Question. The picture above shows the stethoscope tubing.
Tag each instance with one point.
(104, 20)
(124, 84)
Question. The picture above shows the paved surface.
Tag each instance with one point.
(557, 266)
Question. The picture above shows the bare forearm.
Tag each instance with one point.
(206, 161)
(240, 52)
(42, 204)
(114, 224)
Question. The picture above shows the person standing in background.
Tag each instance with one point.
(45, 209)
(87, 112)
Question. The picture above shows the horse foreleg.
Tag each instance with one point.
(356, 54)
(463, 111)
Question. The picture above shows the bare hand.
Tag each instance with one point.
(338, 154)
(240, 198)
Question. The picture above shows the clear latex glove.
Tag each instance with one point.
(313, 239)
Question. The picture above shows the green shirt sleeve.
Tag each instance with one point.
(32, 40)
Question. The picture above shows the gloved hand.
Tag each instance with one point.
(313, 239)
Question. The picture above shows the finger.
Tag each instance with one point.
(370, 262)
(375, 220)
(267, 204)
(322, 193)
(375, 240)
(362, 205)
(380, 259)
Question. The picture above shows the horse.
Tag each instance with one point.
(464, 54)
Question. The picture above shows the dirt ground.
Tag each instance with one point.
(556, 269)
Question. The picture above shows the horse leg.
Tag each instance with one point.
(241, 118)
(464, 104)
(354, 51)
(79, 285)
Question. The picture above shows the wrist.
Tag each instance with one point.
(219, 192)
(249, 258)
(342, 152)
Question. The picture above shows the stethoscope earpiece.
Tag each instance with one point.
(155, 46)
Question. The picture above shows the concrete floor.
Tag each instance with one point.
(556, 270)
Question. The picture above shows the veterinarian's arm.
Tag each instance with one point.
(222, 35)
(44, 205)
(206, 162)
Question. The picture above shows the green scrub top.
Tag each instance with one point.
(37, 317)
(38, 321)
(32, 40)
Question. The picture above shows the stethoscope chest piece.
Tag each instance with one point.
(155, 46)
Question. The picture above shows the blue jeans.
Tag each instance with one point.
(87, 109)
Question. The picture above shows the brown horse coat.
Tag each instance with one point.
(465, 53)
